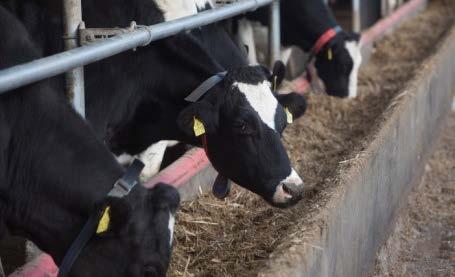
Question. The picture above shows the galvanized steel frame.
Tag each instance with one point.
(74, 58)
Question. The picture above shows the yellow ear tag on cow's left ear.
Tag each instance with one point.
(103, 225)
(329, 54)
(198, 127)
(289, 117)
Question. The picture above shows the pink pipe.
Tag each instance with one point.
(186, 167)
(41, 266)
(182, 170)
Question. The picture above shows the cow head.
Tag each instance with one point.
(138, 239)
(338, 64)
(243, 121)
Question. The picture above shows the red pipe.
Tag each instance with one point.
(186, 167)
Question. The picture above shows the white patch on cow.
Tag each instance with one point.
(173, 9)
(293, 178)
(356, 56)
(262, 100)
(153, 157)
(286, 54)
(245, 37)
(171, 228)
(124, 159)
(202, 4)
(453, 104)
(281, 196)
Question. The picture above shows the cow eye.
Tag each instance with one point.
(242, 128)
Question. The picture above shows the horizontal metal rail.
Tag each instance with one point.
(30, 72)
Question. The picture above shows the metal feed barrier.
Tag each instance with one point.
(74, 58)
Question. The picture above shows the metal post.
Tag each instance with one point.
(274, 32)
(356, 18)
(72, 18)
(2, 273)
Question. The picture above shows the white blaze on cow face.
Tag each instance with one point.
(356, 56)
(261, 99)
(173, 9)
(171, 228)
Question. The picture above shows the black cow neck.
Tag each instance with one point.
(56, 171)
(306, 21)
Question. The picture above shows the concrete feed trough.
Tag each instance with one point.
(354, 224)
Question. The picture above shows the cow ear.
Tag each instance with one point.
(164, 196)
(115, 217)
(278, 73)
(295, 103)
(198, 118)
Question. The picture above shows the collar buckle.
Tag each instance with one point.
(120, 189)
(129, 180)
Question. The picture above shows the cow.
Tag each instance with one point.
(311, 26)
(137, 98)
(55, 173)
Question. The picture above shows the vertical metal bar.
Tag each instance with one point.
(72, 18)
(274, 32)
(2, 273)
(356, 17)
(383, 8)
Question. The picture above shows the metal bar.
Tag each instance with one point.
(356, 18)
(72, 18)
(274, 32)
(2, 272)
(27, 73)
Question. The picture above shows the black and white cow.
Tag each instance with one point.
(54, 172)
(137, 98)
(304, 24)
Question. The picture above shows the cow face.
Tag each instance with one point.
(138, 239)
(243, 123)
(338, 64)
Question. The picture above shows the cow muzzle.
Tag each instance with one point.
(289, 191)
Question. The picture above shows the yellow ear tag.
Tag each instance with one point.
(274, 83)
(330, 54)
(103, 225)
(198, 127)
(289, 116)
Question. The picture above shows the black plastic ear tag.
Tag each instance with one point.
(221, 187)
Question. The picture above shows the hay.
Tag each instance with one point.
(236, 236)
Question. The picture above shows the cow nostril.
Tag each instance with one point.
(287, 189)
